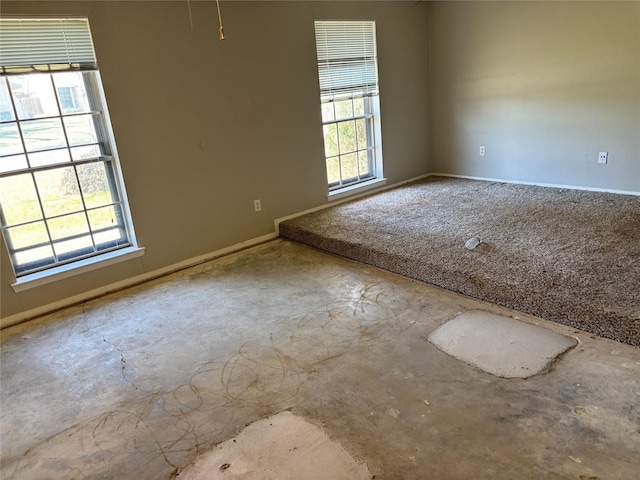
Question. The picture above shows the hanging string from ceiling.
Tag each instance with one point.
(190, 17)
(219, 17)
(220, 20)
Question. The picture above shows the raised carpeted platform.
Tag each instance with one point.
(565, 255)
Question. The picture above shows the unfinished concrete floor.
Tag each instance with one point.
(138, 384)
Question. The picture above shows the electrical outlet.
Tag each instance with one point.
(602, 157)
(482, 151)
(257, 205)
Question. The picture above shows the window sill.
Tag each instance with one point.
(65, 271)
(356, 189)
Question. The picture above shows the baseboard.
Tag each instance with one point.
(538, 184)
(278, 221)
(130, 282)
(146, 277)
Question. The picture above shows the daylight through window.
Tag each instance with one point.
(348, 74)
(61, 194)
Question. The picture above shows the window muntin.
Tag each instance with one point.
(61, 195)
(349, 141)
(348, 76)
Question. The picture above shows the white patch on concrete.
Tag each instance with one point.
(392, 412)
(280, 447)
(500, 345)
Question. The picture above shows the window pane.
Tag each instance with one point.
(10, 143)
(81, 129)
(29, 235)
(358, 106)
(95, 185)
(349, 166)
(109, 238)
(347, 136)
(72, 92)
(14, 162)
(30, 244)
(86, 152)
(330, 140)
(19, 200)
(333, 170)
(70, 233)
(43, 134)
(33, 258)
(75, 247)
(50, 157)
(67, 226)
(103, 218)
(344, 109)
(106, 225)
(33, 96)
(328, 114)
(365, 163)
(361, 133)
(59, 191)
(6, 109)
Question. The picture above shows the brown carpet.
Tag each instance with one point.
(565, 255)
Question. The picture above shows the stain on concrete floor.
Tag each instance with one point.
(140, 383)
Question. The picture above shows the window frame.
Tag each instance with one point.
(330, 45)
(97, 115)
(373, 165)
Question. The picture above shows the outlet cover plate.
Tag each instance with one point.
(602, 157)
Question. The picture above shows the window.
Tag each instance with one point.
(61, 193)
(348, 74)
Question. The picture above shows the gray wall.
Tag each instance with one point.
(544, 86)
(204, 127)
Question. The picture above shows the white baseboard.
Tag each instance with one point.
(130, 282)
(145, 277)
(538, 184)
(277, 221)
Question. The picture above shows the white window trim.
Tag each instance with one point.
(78, 267)
(356, 188)
(80, 56)
(334, 48)
(379, 180)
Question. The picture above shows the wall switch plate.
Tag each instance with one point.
(602, 157)
(482, 151)
(257, 205)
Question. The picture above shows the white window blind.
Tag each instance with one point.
(45, 44)
(347, 64)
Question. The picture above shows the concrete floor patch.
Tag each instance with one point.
(500, 345)
(282, 447)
